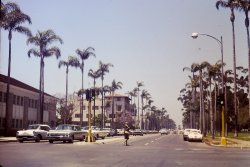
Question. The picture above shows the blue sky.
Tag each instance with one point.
(145, 40)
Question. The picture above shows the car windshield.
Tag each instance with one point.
(33, 126)
(64, 127)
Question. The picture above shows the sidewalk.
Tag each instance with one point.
(231, 143)
(8, 139)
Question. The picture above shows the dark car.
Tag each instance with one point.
(137, 132)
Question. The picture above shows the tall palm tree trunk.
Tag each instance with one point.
(138, 117)
(102, 117)
(81, 112)
(142, 123)
(7, 112)
(113, 106)
(42, 92)
(211, 110)
(235, 98)
(248, 43)
(94, 105)
(66, 98)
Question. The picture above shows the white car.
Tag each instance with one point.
(96, 132)
(66, 132)
(186, 132)
(34, 132)
(195, 135)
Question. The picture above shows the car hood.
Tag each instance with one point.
(30, 131)
(60, 131)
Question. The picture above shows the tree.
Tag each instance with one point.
(84, 55)
(144, 95)
(244, 6)
(73, 62)
(94, 74)
(139, 84)
(232, 4)
(104, 68)
(199, 68)
(114, 86)
(12, 19)
(42, 40)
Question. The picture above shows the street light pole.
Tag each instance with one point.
(195, 35)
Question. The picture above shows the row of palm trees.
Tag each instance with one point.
(12, 19)
(232, 5)
(240, 5)
(200, 94)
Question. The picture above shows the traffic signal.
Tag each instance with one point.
(220, 100)
(88, 94)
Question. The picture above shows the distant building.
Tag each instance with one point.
(24, 106)
(121, 104)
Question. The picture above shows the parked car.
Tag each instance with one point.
(66, 132)
(96, 132)
(120, 132)
(34, 132)
(164, 131)
(195, 135)
(112, 132)
(136, 132)
(185, 134)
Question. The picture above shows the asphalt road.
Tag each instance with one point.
(146, 151)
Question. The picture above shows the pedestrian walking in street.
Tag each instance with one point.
(126, 134)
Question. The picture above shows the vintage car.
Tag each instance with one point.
(136, 132)
(185, 133)
(66, 132)
(96, 132)
(195, 135)
(34, 132)
(163, 131)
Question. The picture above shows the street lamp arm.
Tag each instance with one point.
(212, 37)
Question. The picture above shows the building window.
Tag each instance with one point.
(119, 108)
(14, 99)
(110, 116)
(18, 100)
(118, 99)
(84, 107)
(95, 107)
(77, 115)
(21, 101)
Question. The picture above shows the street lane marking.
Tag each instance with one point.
(179, 163)
(146, 144)
(152, 141)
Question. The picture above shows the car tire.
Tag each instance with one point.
(51, 141)
(20, 141)
(39, 137)
(71, 139)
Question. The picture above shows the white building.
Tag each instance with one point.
(23, 106)
(121, 104)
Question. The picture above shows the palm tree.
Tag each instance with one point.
(73, 62)
(94, 74)
(139, 84)
(232, 4)
(212, 72)
(145, 95)
(244, 6)
(114, 86)
(200, 67)
(84, 55)
(104, 68)
(41, 40)
(12, 19)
